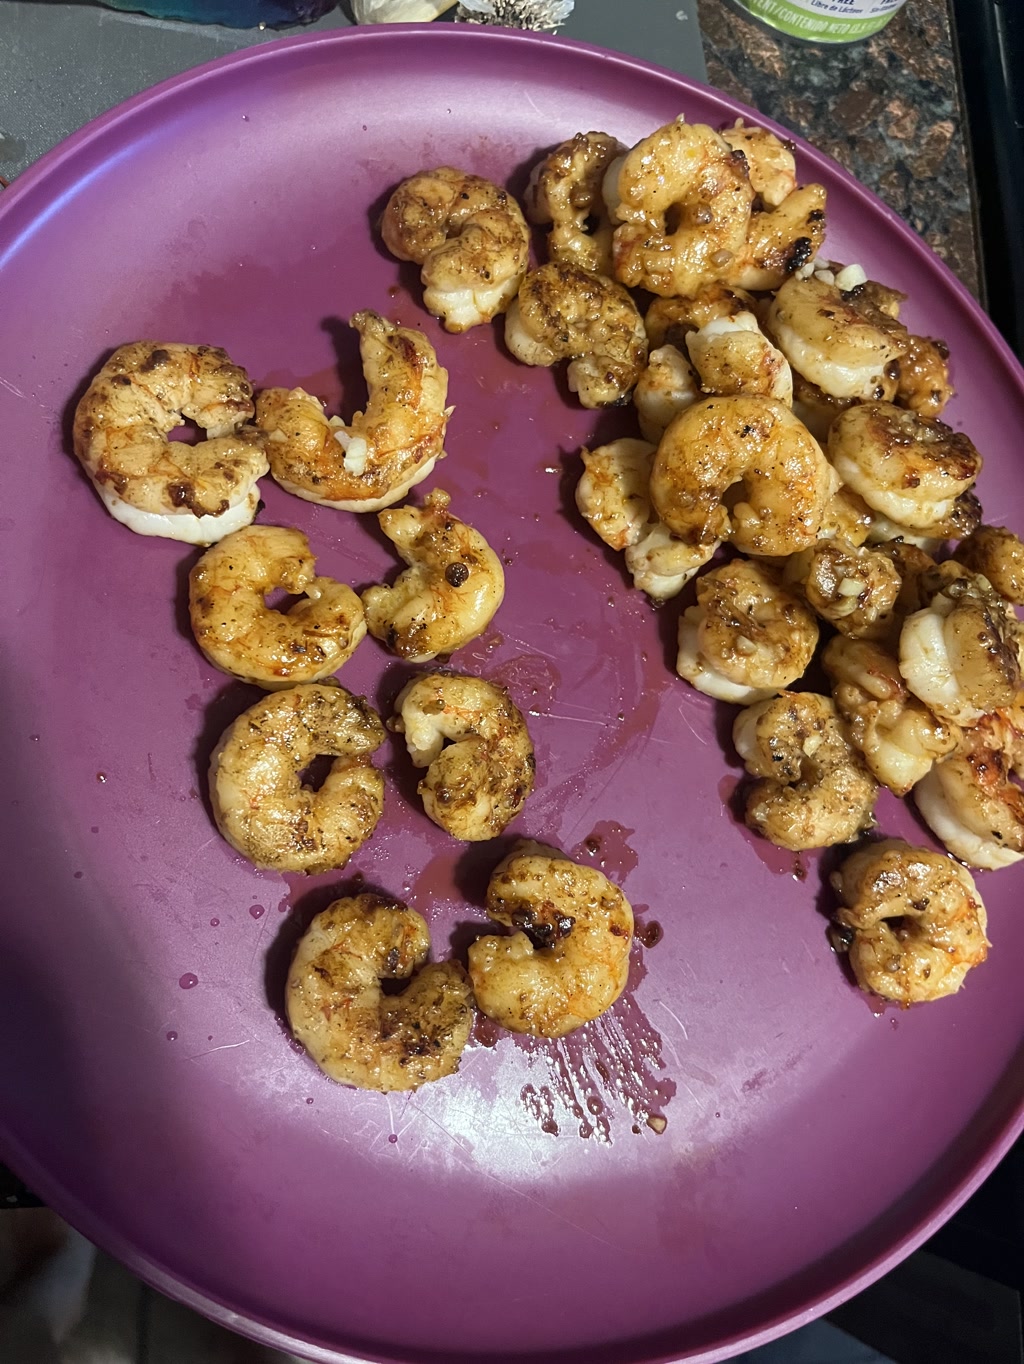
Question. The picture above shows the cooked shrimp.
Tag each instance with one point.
(770, 163)
(898, 735)
(565, 191)
(683, 199)
(668, 320)
(961, 655)
(354, 1032)
(449, 593)
(241, 635)
(970, 800)
(911, 469)
(155, 486)
(468, 235)
(834, 340)
(563, 312)
(383, 452)
(613, 497)
(664, 389)
(732, 355)
(785, 479)
(915, 921)
(747, 638)
(473, 741)
(813, 789)
(567, 959)
(259, 800)
(923, 384)
(817, 410)
(779, 241)
(998, 555)
(853, 588)
(846, 517)
(961, 521)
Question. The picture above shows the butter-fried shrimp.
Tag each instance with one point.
(780, 241)
(156, 486)
(241, 635)
(357, 1034)
(786, 481)
(563, 312)
(852, 587)
(732, 355)
(565, 192)
(567, 959)
(770, 163)
(682, 198)
(384, 451)
(468, 236)
(472, 739)
(746, 638)
(913, 920)
(260, 802)
(813, 789)
(998, 555)
(450, 591)
(666, 386)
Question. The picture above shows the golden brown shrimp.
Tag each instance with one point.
(813, 789)
(468, 236)
(853, 588)
(567, 960)
(563, 312)
(970, 800)
(155, 486)
(732, 355)
(669, 320)
(913, 919)
(998, 555)
(770, 163)
(910, 469)
(357, 1034)
(898, 735)
(241, 635)
(961, 654)
(786, 481)
(383, 452)
(259, 800)
(565, 192)
(923, 383)
(613, 497)
(449, 593)
(747, 638)
(779, 241)
(847, 517)
(682, 197)
(666, 386)
(473, 741)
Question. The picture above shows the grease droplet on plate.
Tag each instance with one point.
(393, 1139)
(188, 981)
(172, 1037)
(257, 911)
(309, 1101)
(215, 923)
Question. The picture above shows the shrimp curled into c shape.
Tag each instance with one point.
(449, 593)
(472, 739)
(565, 313)
(382, 452)
(914, 919)
(757, 442)
(355, 1033)
(565, 191)
(568, 960)
(468, 235)
(155, 486)
(259, 801)
(241, 635)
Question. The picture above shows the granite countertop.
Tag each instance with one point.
(889, 109)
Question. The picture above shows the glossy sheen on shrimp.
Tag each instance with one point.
(385, 450)
(998, 555)
(450, 591)
(241, 635)
(469, 237)
(563, 312)
(780, 241)
(786, 481)
(357, 1034)
(813, 789)
(259, 800)
(155, 486)
(682, 197)
(852, 587)
(770, 163)
(565, 192)
(666, 387)
(567, 959)
(472, 739)
(732, 355)
(913, 919)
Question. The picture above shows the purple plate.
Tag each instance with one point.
(151, 1094)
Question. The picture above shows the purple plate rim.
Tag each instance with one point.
(90, 1222)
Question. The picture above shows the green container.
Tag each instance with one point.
(823, 21)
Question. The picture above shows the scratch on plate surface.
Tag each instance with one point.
(225, 1046)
